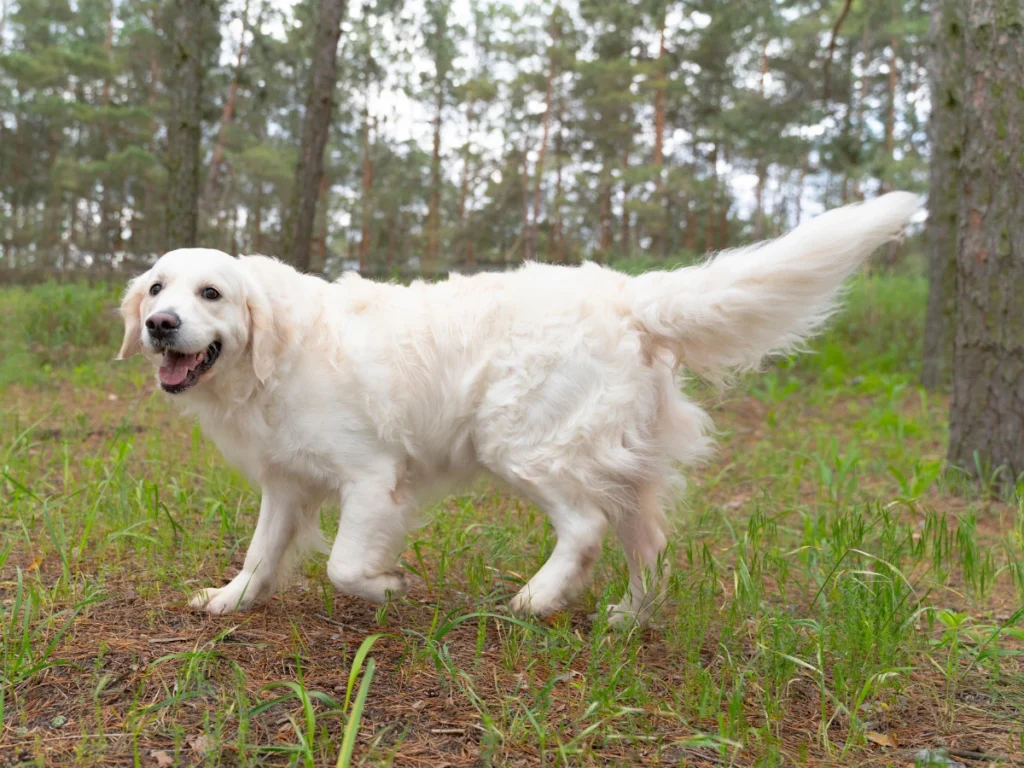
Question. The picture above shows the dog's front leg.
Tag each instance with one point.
(371, 537)
(284, 511)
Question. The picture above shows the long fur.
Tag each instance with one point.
(563, 382)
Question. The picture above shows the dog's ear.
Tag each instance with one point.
(268, 332)
(131, 313)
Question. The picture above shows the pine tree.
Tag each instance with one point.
(986, 424)
(193, 32)
(316, 124)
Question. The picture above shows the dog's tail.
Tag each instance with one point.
(726, 315)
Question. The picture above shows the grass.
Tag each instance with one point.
(836, 599)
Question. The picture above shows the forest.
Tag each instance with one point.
(455, 133)
(844, 578)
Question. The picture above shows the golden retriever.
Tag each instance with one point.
(561, 381)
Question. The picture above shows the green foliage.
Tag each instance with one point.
(62, 322)
(629, 127)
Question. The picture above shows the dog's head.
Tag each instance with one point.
(197, 314)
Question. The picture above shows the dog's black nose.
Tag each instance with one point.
(162, 324)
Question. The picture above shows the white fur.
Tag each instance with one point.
(561, 381)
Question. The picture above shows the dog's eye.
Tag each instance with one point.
(155, 288)
(212, 294)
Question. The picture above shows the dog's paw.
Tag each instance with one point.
(526, 604)
(378, 588)
(220, 600)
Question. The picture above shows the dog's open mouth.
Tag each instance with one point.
(179, 371)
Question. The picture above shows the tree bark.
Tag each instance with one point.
(434, 212)
(367, 196)
(605, 214)
(945, 70)
(315, 127)
(986, 428)
(228, 113)
(557, 237)
(318, 248)
(191, 24)
(762, 165)
(627, 230)
(659, 244)
(709, 231)
(464, 249)
(531, 237)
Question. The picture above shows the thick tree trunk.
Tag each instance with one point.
(298, 234)
(191, 26)
(986, 426)
(946, 81)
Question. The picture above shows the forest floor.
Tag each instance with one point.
(836, 599)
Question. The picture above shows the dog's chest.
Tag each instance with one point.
(310, 454)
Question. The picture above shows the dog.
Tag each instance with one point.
(564, 382)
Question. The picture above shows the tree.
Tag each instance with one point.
(946, 81)
(441, 49)
(191, 25)
(986, 426)
(316, 123)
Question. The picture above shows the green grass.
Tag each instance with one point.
(832, 588)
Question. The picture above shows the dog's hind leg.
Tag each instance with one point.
(286, 512)
(580, 526)
(642, 534)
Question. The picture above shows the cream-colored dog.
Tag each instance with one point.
(560, 381)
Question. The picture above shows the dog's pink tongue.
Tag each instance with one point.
(176, 367)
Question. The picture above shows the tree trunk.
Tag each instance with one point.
(257, 220)
(800, 189)
(191, 24)
(691, 225)
(309, 171)
(709, 230)
(557, 237)
(945, 74)
(318, 250)
(606, 215)
(367, 197)
(150, 237)
(464, 248)
(890, 116)
(762, 165)
(531, 236)
(986, 426)
(659, 244)
(228, 113)
(434, 212)
(863, 134)
(626, 243)
(111, 233)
